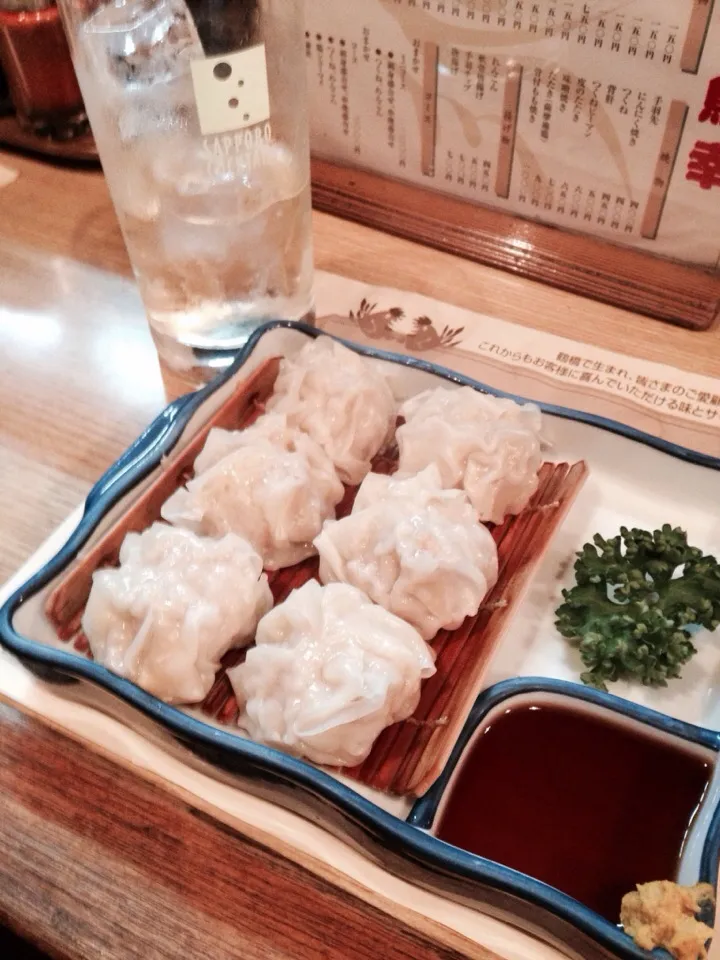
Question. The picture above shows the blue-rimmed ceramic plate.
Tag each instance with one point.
(634, 480)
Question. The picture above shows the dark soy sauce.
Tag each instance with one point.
(588, 805)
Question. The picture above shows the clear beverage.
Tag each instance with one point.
(206, 278)
(218, 228)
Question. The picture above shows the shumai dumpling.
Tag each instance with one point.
(270, 483)
(175, 605)
(487, 446)
(341, 399)
(414, 548)
(329, 671)
(272, 427)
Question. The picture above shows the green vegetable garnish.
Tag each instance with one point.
(634, 598)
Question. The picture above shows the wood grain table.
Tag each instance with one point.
(95, 862)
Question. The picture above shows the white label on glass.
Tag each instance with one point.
(231, 91)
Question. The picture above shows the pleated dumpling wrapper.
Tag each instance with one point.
(270, 483)
(414, 548)
(329, 671)
(341, 399)
(487, 446)
(175, 605)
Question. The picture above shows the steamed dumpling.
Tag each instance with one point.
(270, 483)
(175, 605)
(341, 399)
(414, 548)
(330, 670)
(272, 427)
(487, 446)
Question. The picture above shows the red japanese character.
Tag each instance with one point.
(711, 109)
(704, 165)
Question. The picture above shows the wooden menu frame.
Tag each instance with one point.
(683, 294)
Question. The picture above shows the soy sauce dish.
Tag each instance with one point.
(577, 796)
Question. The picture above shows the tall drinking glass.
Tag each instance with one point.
(199, 112)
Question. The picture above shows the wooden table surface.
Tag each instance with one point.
(94, 861)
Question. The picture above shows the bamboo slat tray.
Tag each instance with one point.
(408, 756)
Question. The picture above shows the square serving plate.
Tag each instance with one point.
(634, 480)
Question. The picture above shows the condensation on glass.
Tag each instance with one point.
(199, 111)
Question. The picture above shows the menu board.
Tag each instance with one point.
(593, 116)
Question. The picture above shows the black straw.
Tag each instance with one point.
(226, 26)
